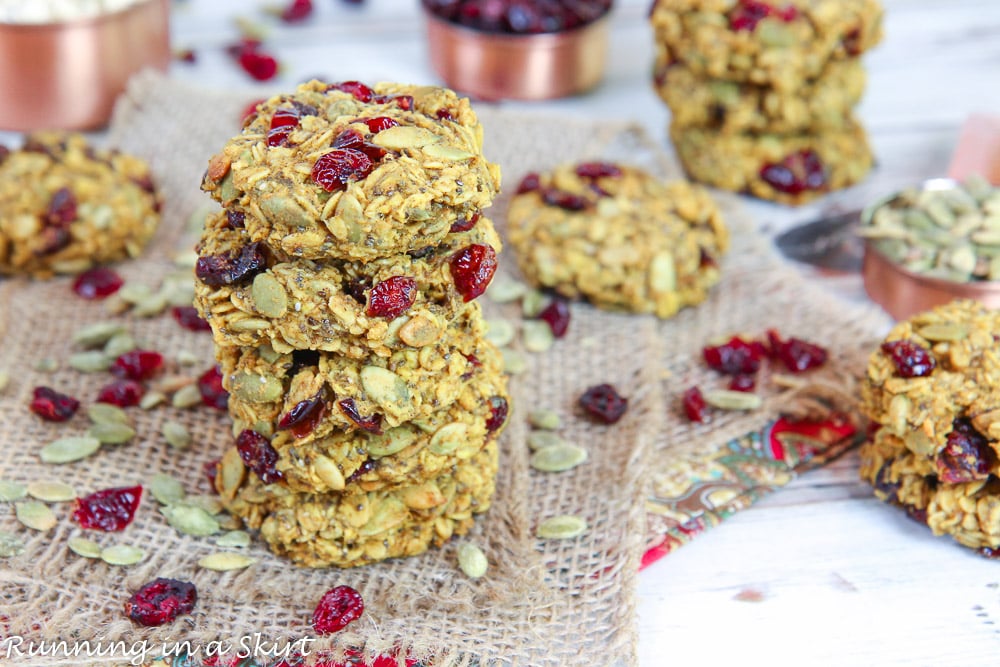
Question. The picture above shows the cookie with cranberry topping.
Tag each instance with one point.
(351, 529)
(352, 308)
(730, 107)
(617, 237)
(968, 511)
(789, 169)
(347, 171)
(935, 384)
(778, 43)
(66, 206)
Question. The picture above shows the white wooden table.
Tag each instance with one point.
(820, 573)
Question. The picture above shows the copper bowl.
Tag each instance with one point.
(903, 293)
(67, 75)
(495, 66)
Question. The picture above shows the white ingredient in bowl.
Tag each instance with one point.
(57, 11)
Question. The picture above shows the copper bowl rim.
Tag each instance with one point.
(536, 37)
(962, 289)
(84, 21)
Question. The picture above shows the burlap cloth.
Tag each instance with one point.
(543, 602)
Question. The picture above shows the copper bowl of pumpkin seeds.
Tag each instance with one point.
(930, 244)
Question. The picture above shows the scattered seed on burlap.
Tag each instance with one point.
(122, 554)
(562, 527)
(505, 290)
(472, 560)
(10, 545)
(727, 399)
(188, 358)
(151, 399)
(95, 335)
(35, 515)
(544, 419)
(210, 503)
(537, 336)
(51, 491)
(234, 538)
(81, 546)
(190, 520)
(69, 449)
(4, 380)
(105, 413)
(119, 344)
(186, 260)
(558, 458)
(166, 489)
(91, 361)
(543, 439)
(532, 303)
(186, 397)
(500, 332)
(111, 433)
(176, 435)
(47, 365)
(225, 561)
(11, 491)
(514, 362)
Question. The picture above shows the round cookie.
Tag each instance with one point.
(350, 172)
(935, 383)
(782, 44)
(789, 169)
(967, 511)
(66, 206)
(412, 384)
(729, 107)
(302, 304)
(346, 530)
(618, 237)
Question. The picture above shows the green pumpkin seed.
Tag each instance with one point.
(81, 546)
(543, 439)
(532, 303)
(119, 345)
(285, 210)
(448, 438)
(111, 433)
(562, 527)
(544, 419)
(269, 295)
(187, 259)
(97, 334)
(35, 515)
(385, 388)
(176, 435)
(514, 362)
(166, 489)
(255, 388)
(133, 293)
(505, 290)
(4, 380)
(404, 136)
(558, 458)
(234, 538)
(190, 520)
(231, 472)
(472, 560)
(773, 33)
(105, 413)
(151, 399)
(392, 441)
(186, 397)
(419, 331)
(122, 554)
(187, 358)
(726, 399)
(500, 332)
(210, 504)
(388, 514)
(447, 153)
(67, 450)
(47, 365)
(537, 336)
(944, 331)
(92, 361)
(11, 491)
(151, 306)
(51, 492)
(329, 473)
(225, 561)
(10, 545)
(249, 324)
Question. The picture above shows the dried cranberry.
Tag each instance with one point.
(598, 170)
(734, 357)
(852, 42)
(235, 219)
(62, 208)
(97, 283)
(564, 200)
(911, 359)
(372, 424)
(161, 601)
(694, 404)
(211, 470)
(186, 56)
(250, 112)
(187, 317)
(213, 394)
(465, 225)
(967, 455)
(226, 269)
(304, 415)
(52, 406)
(123, 393)
(392, 297)
(444, 113)
(472, 269)
(258, 64)
(798, 172)
(498, 413)
(360, 91)
(334, 170)
(404, 102)
(259, 456)
(364, 468)
(796, 354)
(379, 123)
(529, 183)
(110, 510)
(748, 13)
(743, 383)
(137, 365)
(352, 139)
(51, 240)
(297, 10)
(336, 609)
(556, 315)
(282, 123)
(604, 403)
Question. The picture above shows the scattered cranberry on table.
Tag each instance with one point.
(337, 608)
(161, 601)
(519, 16)
(97, 283)
(109, 510)
(53, 406)
(604, 403)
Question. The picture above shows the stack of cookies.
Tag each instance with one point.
(933, 388)
(761, 93)
(339, 282)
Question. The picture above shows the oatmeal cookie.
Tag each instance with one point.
(789, 169)
(328, 392)
(351, 308)
(935, 383)
(968, 511)
(66, 206)
(351, 172)
(778, 44)
(729, 107)
(618, 237)
(346, 530)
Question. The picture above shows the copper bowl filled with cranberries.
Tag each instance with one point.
(518, 49)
